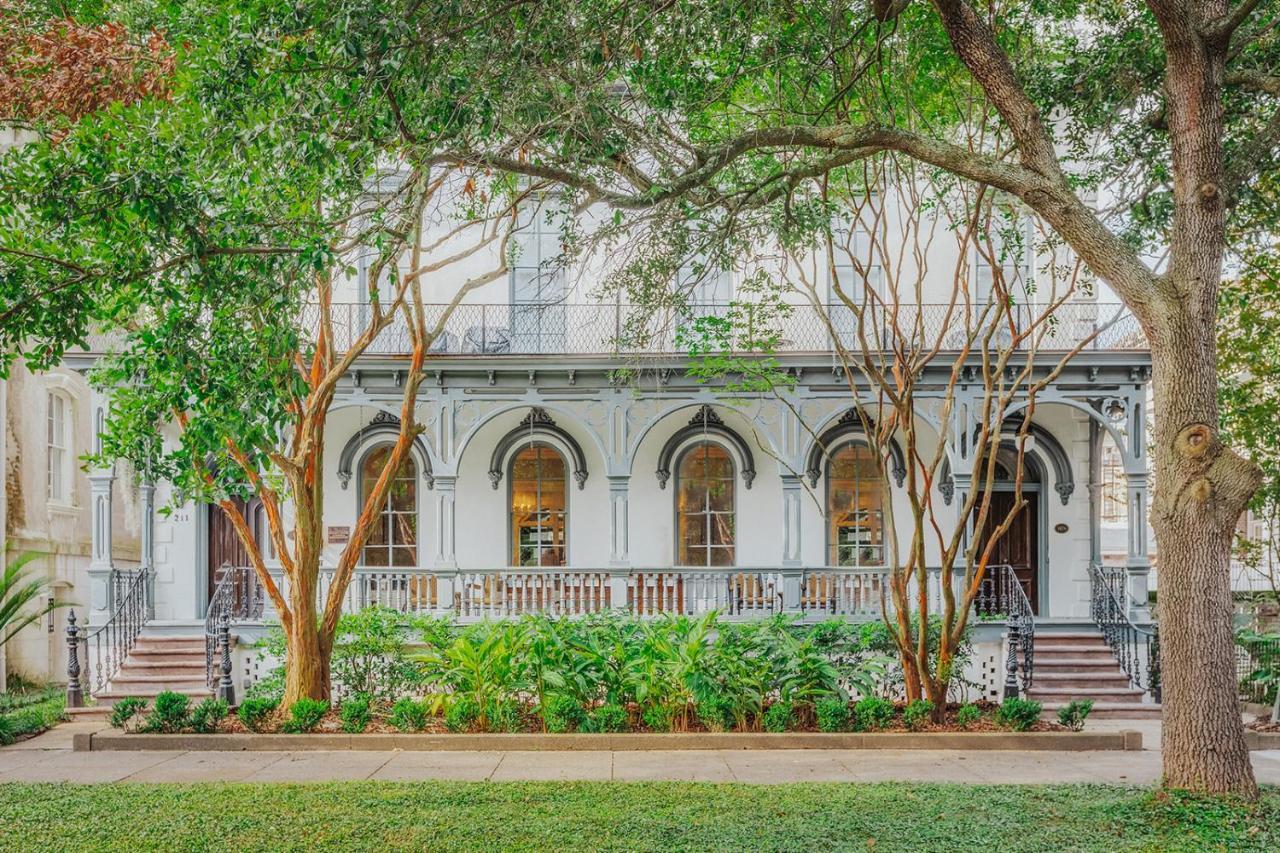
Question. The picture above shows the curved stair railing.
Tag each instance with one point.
(1002, 594)
(105, 648)
(1136, 647)
(238, 595)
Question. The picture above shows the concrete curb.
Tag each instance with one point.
(1262, 740)
(1037, 741)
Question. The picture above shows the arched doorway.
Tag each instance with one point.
(1020, 547)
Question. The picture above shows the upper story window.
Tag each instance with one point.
(1004, 247)
(706, 288)
(394, 539)
(59, 447)
(538, 273)
(854, 263)
(1115, 486)
(705, 530)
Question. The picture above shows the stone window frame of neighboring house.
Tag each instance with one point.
(701, 277)
(60, 484)
(541, 447)
(1115, 486)
(833, 546)
(387, 513)
(707, 547)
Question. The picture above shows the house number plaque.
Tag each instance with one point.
(1057, 528)
(339, 535)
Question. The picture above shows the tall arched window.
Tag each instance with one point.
(855, 512)
(539, 507)
(394, 540)
(705, 506)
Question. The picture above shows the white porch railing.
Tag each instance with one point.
(820, 592)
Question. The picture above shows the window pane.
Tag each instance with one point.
(854, 510)
(397, 522)
(404, 556)
(722, 529)
(721, 557)
(538, 520)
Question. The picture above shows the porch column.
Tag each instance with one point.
(792, 554)
(100, 522)
(619, 504)
(1138, 563)
(446, 559)
(147, 500)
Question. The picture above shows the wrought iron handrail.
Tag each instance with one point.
(1137, 648)
(106, 647)
(1003, 593)
(238, 595)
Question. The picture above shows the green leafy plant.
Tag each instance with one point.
(24, 598)
(1073, 714)
(171, 712)
(304, 716)
(369, 655)
(461, 715)
(409, 715)
(503, 715)
(872, 713)
(1018, 715)
(716, 713)
(916, 714)
(562, 714)
(967, 715)
(206, 716)
(256, 712)
(354, 713)
(832, 714)
(658, 718)
(609, 719)
(778, 717)
(127, 710)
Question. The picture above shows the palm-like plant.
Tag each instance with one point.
(19, 587)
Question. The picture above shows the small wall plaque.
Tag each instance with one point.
(1057, 528)
(339, 535)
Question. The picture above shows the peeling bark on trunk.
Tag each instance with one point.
(307, 663)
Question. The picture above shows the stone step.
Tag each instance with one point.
(1066, 664)
(1071, 638)
(150, 692)
(125, 681)
(1081, 679)
(185, 647)
(1098, 653)
(163, 666)
(145, 656)
(1108, 711)
(1097, 694)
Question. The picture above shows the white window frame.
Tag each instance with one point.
(1017, 272)
(58, 432)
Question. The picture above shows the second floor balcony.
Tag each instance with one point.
(605, 329)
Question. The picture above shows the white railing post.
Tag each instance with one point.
(619, 584)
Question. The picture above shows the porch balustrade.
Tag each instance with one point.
(824, 592)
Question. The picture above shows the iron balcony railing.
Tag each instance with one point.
(612, 329)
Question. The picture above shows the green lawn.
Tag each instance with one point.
(590, 815)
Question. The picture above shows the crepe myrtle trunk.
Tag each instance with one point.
(306, 648)
(1201, 488)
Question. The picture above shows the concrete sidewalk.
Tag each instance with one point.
(48, 758)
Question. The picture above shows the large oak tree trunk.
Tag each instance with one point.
(1201, 487)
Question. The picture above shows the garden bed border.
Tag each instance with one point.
(1054, 741)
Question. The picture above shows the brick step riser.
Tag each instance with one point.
(1071, 639)
(1075, 654)
(1087, 663)
(151, 651)
(161, 666)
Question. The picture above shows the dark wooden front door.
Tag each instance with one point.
(1019, 546)
(225, 547)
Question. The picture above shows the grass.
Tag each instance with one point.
(650, 816)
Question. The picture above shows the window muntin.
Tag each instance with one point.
(394, 539)
(538, 508)
(705, 512)
(855, 511)
(59, 447)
